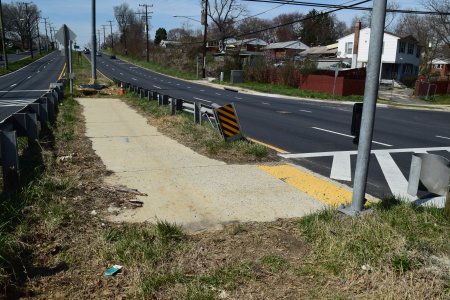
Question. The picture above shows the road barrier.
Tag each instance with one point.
(24, 123)
(430, 173)
(224, 118)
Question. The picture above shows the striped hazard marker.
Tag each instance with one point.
(228, 122)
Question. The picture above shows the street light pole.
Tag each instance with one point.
(5, 55)
(205, 21)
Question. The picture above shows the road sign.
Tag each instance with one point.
(228, 121)
(59, 36)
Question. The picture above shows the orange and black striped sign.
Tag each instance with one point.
(228, 122)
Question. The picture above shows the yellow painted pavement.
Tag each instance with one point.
(319, 188)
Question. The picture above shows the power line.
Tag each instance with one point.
(313, 4)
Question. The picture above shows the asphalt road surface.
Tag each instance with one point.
(316, 134)
(24, 86)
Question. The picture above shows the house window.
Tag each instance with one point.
(418, 51)
(349, 48)
(401, 48)
(410, 48)
(407, 68)
(439, 66)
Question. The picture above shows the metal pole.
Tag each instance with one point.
(112, 37)
(99, 40)
(46, 34)
(94, 45)
(30, 38)
(5, 55)
(70, 68)
(369, 108)
(39, 36)
(204, 38)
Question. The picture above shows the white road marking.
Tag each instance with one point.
(13, 85)
(21, 91)
(178, 84)
(134, 79)
(332, 153)
(443, 137)
(189, 87)
(218, 94)
(202, 90)
(283, 112)
(238, 98)
(121, 73)
(265, 103)
(306, 111)
(394, 177)
(201, 99)
(29, 77)
(113, 69)
(341, 167)
(351, 136)
(155, 86)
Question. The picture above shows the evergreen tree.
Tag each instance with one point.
(161, 34)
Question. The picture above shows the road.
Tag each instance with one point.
(19, 88)
(315, 133)
(14, 57)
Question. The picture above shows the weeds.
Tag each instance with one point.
(275, 262)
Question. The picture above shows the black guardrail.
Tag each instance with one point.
(24, 123)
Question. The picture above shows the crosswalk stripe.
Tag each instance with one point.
(341, 167)
(393, 175)
(332, 153)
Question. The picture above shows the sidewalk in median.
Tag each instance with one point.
(184, 187)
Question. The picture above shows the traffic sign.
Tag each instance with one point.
(59, 36)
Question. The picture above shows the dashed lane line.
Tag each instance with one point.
(306, 111)
(443, 137)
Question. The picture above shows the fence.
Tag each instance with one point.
(24, 123)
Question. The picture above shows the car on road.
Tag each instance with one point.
(98, 54)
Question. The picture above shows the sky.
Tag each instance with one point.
(77, 14)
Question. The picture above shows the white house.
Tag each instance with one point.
(400, 56)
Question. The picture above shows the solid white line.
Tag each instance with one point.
(443, 137)
(201, 99)
(21, 91)
(12, 105)
(307, 111)
(155, 86)
(350, 136)
(341, 167)
(332, 153)
(394, 177)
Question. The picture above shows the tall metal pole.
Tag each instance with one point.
(46, 34)
(104, 36)
(94, 45)
(99, 40)
(5, 55)
(39, 36)
(205, 21)
(369, 108)
(112, 37)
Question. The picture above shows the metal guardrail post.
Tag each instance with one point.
(155, 95)
(43, 109)
(178, 104)
(197, 114)
(10, 160)
(165, 100)
(173, 106)
(51, 109)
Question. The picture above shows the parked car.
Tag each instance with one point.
(98, 54)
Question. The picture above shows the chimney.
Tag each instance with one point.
(356, 45)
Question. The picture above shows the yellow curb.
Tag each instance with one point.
(320, 189)
(268, 146)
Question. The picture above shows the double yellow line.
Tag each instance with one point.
(62, 72)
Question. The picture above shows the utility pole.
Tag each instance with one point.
(112, 37)
(5, 55)
(369, 108)
(46, 34)
(205, 23)
(94, 46)
(39, 35)
(99, 38)
(146, 27)
(30, 38)
(52, 31)
(104, 36)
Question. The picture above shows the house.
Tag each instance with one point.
(170, 44)
(400, 55)
(285, 50)
(441, 67)
(325, 57)
(246, 45)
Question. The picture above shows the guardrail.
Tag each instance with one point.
(24, 123)
(201, 112)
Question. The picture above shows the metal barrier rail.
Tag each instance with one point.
(24, 123)
(200, 111)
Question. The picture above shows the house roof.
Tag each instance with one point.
(441, 61)
(321, 50)
(254, 41)
(297, 45)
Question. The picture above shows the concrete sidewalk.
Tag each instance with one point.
(182, 186)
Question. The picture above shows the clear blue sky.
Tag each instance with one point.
(77, 14)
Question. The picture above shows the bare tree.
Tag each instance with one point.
(125, 17)
(287, 32)
(251, 28)
(440, 22)
(20, 22)
(224, 14)
(390, 16)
